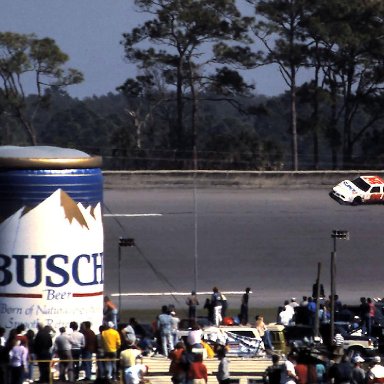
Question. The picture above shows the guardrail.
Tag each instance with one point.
(242, 370)
(54, 366)
(257, 365)
(244, 179)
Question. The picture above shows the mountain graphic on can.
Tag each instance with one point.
(51, 237)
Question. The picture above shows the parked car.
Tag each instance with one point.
(363, 189)
(355, 342)
(378, 323)
(241, 341)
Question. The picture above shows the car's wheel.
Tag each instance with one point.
(357, 200)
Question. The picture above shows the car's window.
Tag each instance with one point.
(295, 332)
(361, 184)
(375, 190)
(185, 323)
(243, 333)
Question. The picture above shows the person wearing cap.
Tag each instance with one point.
(111, 342)
(294, 303)
(376, 372)
(358, 373)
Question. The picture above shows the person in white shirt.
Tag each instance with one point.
(18, 362)
(62, 347)
(194, 335)
(376, 372)
(175, 327)
(288, 374)
(129, 334)
(2, 337)
(77, 341)
(289, 308)
(135, 374)
(285, 317)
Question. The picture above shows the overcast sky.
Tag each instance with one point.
(90, 31)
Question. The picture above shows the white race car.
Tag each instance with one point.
(363, 189)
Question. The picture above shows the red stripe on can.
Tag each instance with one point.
(28, 296)
(87, 294)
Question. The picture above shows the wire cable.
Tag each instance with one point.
(157, 273)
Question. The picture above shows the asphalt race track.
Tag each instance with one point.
(271, 240)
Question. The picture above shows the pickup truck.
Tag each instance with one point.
(355, 342)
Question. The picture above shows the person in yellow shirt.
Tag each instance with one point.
(208, 349)
(128, 358)
(111, 342)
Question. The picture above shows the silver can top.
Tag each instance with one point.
(38, 157)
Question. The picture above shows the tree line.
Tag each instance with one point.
(192, 103)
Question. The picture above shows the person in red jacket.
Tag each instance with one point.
(197, 372)
(177, 366)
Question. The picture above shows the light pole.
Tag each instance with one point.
(343, 235)
(123, 242)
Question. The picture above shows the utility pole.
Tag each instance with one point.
(343, 235)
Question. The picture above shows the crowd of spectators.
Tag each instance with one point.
(339, 369)
(304, 312)
(26, 356)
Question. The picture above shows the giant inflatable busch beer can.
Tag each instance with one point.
(51, 237)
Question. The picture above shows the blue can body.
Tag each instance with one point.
(51, 237)
(29, 187)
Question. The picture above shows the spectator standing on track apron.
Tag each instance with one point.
(110, 312)
(164, 324)
(192, 303)
(217, 306)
